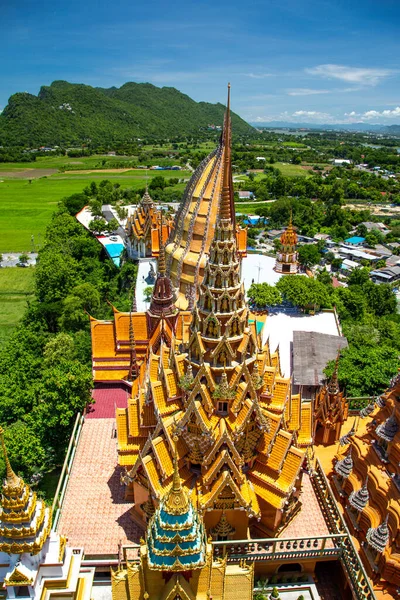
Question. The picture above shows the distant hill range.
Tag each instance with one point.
(377, 128)
(69, 113)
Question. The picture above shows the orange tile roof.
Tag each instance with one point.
(305, 433)
(280, 447)
(103, 340)
(294, 422)
(162, 452)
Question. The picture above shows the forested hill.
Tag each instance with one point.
(68, 113)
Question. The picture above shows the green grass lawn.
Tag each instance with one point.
(16, 287)
(26, 207)
(291, 170)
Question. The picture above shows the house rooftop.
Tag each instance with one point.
(356, 239)
(311, 353)
(280, 327)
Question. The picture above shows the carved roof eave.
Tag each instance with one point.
(205, 371)
(224, 438)
(198, 388)
(223, 343)
(226, 479)
(240, 397)
(190, 410)
(196, 338)
(223, 459)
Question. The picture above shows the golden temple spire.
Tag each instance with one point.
(226, 206)
(133, 367)
(161, 257)
(12, 479)
(333, 387)
(176, 500)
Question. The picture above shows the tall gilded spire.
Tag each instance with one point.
(226, 206)
(176, 500)
(12, 479)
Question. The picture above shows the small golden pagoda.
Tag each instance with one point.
(371, 489)
(287, 257)
(143, 229)
(331, 410)
(35, 562)
(194, 224)
(25, 520)
(221, 393)
(176, 559)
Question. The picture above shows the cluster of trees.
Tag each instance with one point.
(368, 314)
(15, 154)
(45, 368)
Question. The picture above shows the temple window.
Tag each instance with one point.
(223, 408)
(22, 591)
(222, 358)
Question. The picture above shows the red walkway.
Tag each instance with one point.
(107, 399)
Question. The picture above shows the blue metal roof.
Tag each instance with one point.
(355, 240)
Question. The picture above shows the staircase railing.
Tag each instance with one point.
(180, 215)
(193, 221)
(354, 569)
(208, 223)
(66, 470)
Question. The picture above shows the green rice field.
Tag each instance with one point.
(27, 203)
(16, 287)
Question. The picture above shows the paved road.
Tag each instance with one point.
(10, 259)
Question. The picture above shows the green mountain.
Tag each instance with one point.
(70, 113)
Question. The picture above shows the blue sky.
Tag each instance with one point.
(320, 61)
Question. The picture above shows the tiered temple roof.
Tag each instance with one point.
(35, 562)
(125, 342)
(145, 230)
(176, 539)
(216, 579)
(222, 394)
(287, 256)
(193, 228)
(25, 521)
(330, 410)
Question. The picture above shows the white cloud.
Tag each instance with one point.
(314, 115)
(306, 92)
(258, 75)
(384, 114)
(360, 75)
